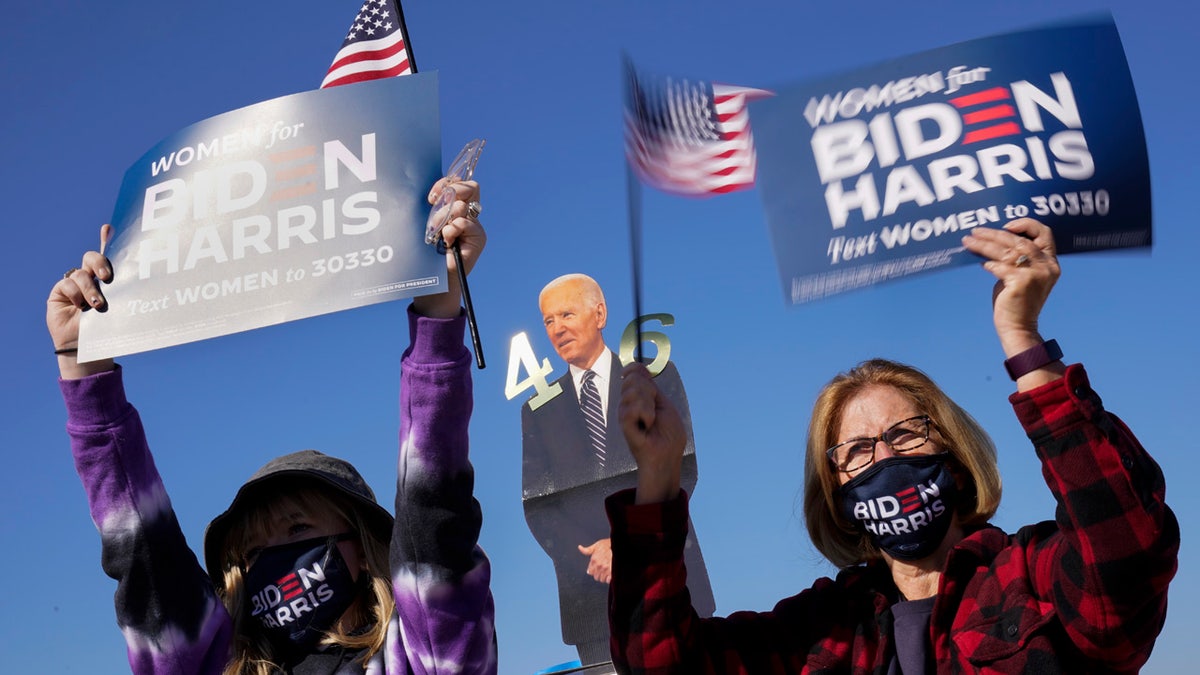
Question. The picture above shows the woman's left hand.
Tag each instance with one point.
(1022, 258)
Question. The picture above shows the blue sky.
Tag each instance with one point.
(91, 86)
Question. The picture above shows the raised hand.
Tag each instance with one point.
(1022, 258)
(463, 228)
(77, 292)
(655, 434)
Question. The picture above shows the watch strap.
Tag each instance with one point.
(1033, 358)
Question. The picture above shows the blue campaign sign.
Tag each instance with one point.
(294, 207)
(877, 174)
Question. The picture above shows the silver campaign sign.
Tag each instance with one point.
(291, 208)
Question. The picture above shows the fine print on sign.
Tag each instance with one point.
(877, 174)
(294, 207)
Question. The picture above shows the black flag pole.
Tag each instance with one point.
(466, 293)
(455, 249)
(412, 57)
(633, 188)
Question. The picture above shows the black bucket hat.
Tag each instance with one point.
(306, 464)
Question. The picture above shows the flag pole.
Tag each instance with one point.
(454, 248)
(633, 191)
(470, 309)
(412, 57)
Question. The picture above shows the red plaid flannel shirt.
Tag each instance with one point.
(1086, 592)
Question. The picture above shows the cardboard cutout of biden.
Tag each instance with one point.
(575, 455)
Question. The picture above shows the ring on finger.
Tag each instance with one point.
(474, 209)
(68, 273)
(1021, 261)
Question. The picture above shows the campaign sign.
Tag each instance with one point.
(878, 173)
(294, 207)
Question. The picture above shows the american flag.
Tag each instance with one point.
(374, 49)
(689, 137)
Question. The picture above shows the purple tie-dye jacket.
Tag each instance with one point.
(172, 621)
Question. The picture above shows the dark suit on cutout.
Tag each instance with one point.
(563, 490)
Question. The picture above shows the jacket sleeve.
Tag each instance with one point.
(656, 631)
(1108, 569)
(166, 608)
(440, 575)
(651, 620)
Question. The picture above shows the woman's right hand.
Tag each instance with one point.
(655, 434)
(77, 292)
(463, 229)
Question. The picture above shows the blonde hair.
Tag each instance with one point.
(252, 652)
(973, 456)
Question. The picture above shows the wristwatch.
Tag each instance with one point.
(1033, 358)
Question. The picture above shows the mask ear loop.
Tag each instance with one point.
(363, 585)
(968, 494)
(355, 537)
(959, 470)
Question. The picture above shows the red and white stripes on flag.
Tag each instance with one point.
(690, 138)
(375, 47)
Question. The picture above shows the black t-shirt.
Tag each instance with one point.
(328, 661)
(914, 651)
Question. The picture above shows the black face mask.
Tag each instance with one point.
(905, 504)
(300, 590)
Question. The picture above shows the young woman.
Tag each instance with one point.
(306, 573)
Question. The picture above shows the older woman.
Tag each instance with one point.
(900, 484)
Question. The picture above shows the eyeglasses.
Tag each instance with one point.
(903, 436)
(461, 169)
